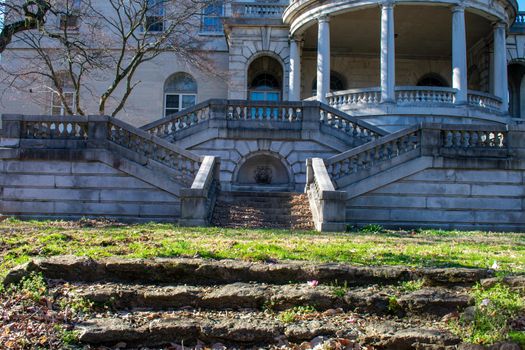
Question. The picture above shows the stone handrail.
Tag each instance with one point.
(264, 110)
(484, 100)
(56, 127)
(180, 121)
(428, 139)
(372, 153)
(198, 202)
(424, 94)
(327, 204)
(258, 10)
(352, 126)
(463, 137)
(154, 148)
(354, 97)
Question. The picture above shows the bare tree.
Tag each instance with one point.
(87, 41)
(18, 17)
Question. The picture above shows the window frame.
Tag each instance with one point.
(219, 28)
(160, 17)
(61, 106)
(180, 101)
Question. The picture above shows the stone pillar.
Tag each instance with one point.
(388, 54)
(459, 55)
(323, 58)
(500, 78)
(295, 70)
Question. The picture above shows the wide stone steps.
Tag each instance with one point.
(189, 302)
(246, 329)
(280, 210)
(241, 296)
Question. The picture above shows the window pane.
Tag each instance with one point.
(172, 101)
(188, 101)
(56, 111)
(272, 96)
(170, 111)
(181, 82)
(155, 23)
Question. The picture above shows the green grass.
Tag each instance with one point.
(296, 313)
(495, 308)
(22, 240)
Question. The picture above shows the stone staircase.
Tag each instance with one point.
(186, 302)
(282, 210)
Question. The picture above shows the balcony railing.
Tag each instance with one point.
(257, 10)
(410, 96)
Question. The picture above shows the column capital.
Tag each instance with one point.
(323, 18)
(388, 4)
(295, 37)
(459, 7)
(499, 24)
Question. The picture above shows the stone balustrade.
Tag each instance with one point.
(354, 97)
(410, 96)
(424, 94)
(484, 100)
(180, 121)
(153, 148)
(59, 128)
(351, 126)
(100, 132)
(327, 204)
(264, 110)
(423, 139)
(475, 137)
(257, 10)
(372, 153)
(198, 202)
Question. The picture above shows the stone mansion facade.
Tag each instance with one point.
(402, 113)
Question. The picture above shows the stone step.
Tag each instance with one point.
(240, 296)
(262, 210)
(242, 329)
(196, 271)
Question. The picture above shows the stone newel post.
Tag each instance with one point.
(388, 54)
(323, 58)
(459, 55)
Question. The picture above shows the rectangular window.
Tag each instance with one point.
(70, 19)
(211, 18)
(155, 16)
(177, 102)
(57, 108)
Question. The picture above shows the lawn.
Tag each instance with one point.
(22, 240)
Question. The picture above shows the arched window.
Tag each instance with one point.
(180, 92)
(432, 79)
(68, 92)
(337, 83)
(265, 76)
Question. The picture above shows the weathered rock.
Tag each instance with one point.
(434, 301)
(451, 276)
(367, 301)
(514, 282)
(208, 272)
(245, 331)
(321, 297)
(236, 296)
(308, 330)
(392, 336)
(469, 314)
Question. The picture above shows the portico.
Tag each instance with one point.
(394, 56)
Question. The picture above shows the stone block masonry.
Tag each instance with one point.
(66, 189)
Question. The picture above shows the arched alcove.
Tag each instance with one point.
(263, 170)
(337, 83)
(265, 79)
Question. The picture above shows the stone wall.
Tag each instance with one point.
(73, 189)
(456, 194)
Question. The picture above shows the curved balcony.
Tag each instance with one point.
(414, 104)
